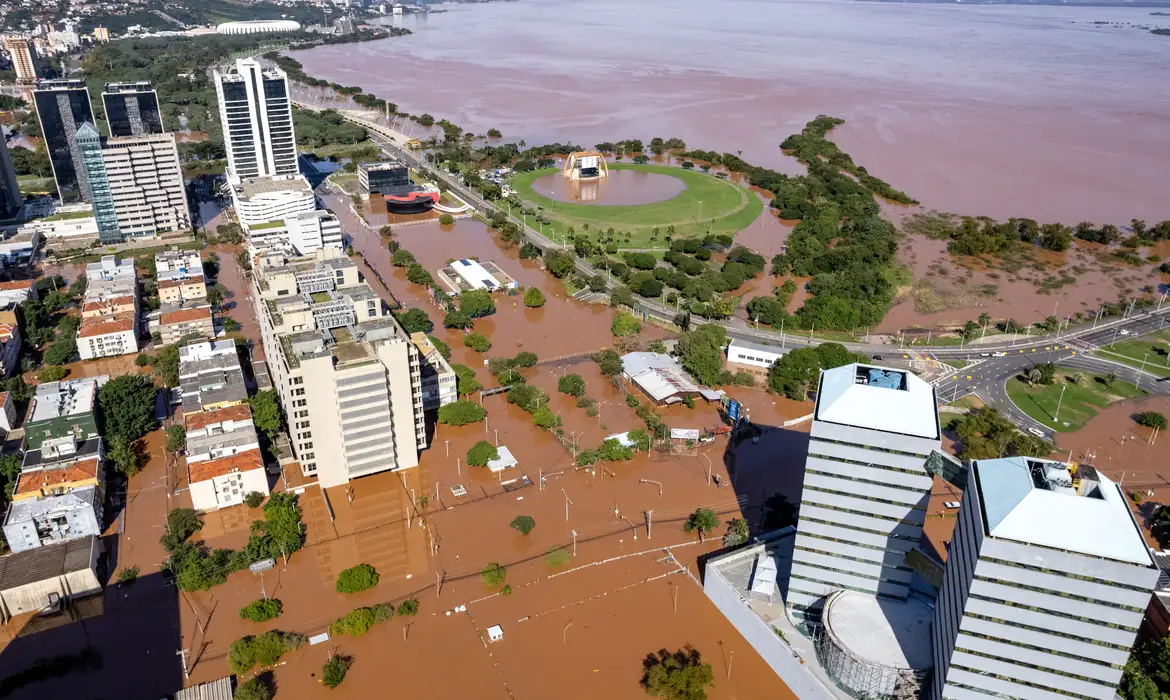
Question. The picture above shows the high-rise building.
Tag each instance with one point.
(89, 142)
(24, 59)
(62, 107)
(256, 114)
(866, 486)
(146, 184)
(132, 109)
(101, 35)
(10, 199)
(349, 378)
(1047, 581)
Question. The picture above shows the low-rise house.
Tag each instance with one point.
(753, 358)
(174, 322)
(210, 376)
(57, 498)
(110, 306)
(224, 482)
(62, 409)
(179, 275)
(40, 580)
(220, 433)
(17, 292)
(107, 336)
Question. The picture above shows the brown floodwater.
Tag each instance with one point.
(969, 109)
(620, 188)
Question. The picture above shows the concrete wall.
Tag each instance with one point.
(763, 639)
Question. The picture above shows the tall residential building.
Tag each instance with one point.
(89, 143)
(24, 59)
(1047, 581)
(866, 486)
(438, 379)
(146, 185)
(62, 107)
(349, 378)
(10, 199)
(256, 114)
(132, 109)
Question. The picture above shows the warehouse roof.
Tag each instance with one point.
(215, 690)
(33, 565)
(878, 398)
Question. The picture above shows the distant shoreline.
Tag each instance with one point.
(1062, 3)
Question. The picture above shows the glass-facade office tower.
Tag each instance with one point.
(10, 199)
(89, 143)
(62, 107)
(132, 109)
(256, 114)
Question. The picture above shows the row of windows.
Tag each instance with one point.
(1062, 594)
(866, 513)
(1035, 667)
(1057, 613)
(1065, 574)
(873, 448)
(1020, 681)
(858, 528)
(847, 572)
(834, 586)
(886, 501)
(871, 465)
(871, 482)
(1045, 630)
(1043, 650)
(857, 559)
(854, 544)
(981, 691)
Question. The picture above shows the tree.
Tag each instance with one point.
(477, 303)
(1110, 379)
(1151, 419)
(334, 670)
(417, 274)
(737, 533)
(230, 325)
(493, 575)
(443, 348)
(61, 352)
(465, 381)
(265, 649)
(461, 412)
(477, 342)
(253, 689)
(402, 258)
(127, 405)
(446, 219)
(523, 524)
(457, 319)
(701, 351)
(678, 676)
(558, 262)
(357, 578)
(1047, 372)
(215, 294)
(533, 298)
(253, 499)
(262, 610)
(545, 418)
(608, 361)
(481, 453)
(613, 451)
(625, 325)
(416, 321)
(266, 413)
(703, 519)
(408, 607)
(571, 384)
(52, 374)
(176, 438)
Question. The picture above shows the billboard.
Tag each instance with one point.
(733, 411)
(588, 163)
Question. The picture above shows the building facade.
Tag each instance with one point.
(1047, 581)
(89, 142)
(62, 107)
(56, 502)
(179, 274)
(262, 205)
(438, 379)
(311, 231)
(176, 322)
(753, 358)
(146, 186)
(10, 198)
(132, 109)
(349, 379)
(224, 461)
(109, 313)
(210, 376)
(866, 486)
(256, 115)
(24, 59)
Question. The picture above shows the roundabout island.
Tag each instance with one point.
(693, 203)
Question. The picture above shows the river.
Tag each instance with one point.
(997, 110)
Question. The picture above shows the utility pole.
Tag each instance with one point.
(649, 520)
(182, 654)
(565, 632)
(729, 662)
(676, 599)
(1063, 386)
(574, 543)
(567, 504)
(439, 575)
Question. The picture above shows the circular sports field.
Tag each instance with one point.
(707, 204)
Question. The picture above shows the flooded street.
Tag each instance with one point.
(620, 188)
(953, 104)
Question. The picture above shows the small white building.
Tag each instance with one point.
(661, 379)
(310, 231)
(754, 358)
(464, 275)
(220, 433)
(224, 482)
(107, 336)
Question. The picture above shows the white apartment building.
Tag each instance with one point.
(224, 462)
(107, 336)
(109, 324)
(311, 231)
(866, 486)
(263, 204)
(179, 275)
(439, 383)
(1047, 581)
(146, 184)
(256, 115)
(348, 377)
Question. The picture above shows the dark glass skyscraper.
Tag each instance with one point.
(62, 107)
(10, 199)
(132, 109)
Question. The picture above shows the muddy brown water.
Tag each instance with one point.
(619, 188)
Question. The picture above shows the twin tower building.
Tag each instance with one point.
(1047, 574)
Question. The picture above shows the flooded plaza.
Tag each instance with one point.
(619, 188)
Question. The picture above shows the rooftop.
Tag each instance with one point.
(889, 633)
(757, 347)
(46, 562)
(198, 313)
(661, 377)
(39, 480)
(199, 421)
(62, 450)
(104, 325)
(68, 398)
(275, 184)
(242, 462)
(878, 398)
(1066, 506)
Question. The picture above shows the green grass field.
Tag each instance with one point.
(707, 205)
(1131, 352)
(1080, 403)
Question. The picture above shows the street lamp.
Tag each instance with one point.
(1056, 418)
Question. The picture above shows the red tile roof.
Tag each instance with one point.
(48, 478)
(242, 462)
(104, 325)
(15, 284)
(167, 284)
(115, 301)
(199, 421)
(198, 313)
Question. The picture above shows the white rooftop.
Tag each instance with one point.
(475, 275)
(887, 632)
(206, 350)
(878, 398)
(56, 399)
(1037, 501)
(505, 460)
